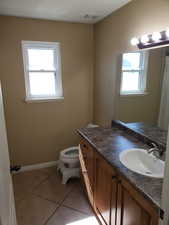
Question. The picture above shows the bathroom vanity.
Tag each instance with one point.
(122, 179)
(117, 195)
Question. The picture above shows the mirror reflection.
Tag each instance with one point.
(143, 87)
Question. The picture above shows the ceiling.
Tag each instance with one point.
(84, 11)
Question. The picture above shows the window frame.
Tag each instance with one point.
(142, 74)
(55, 46)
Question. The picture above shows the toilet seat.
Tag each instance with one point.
(70, 156)
(70, 152)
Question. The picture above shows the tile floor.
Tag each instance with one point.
(41, 199)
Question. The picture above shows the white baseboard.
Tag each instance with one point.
(37, 166)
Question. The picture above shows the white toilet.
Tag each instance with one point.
(70, 157)
(69, 164)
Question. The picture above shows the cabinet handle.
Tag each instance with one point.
(114, 177)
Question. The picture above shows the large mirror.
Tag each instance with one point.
(142, 93)
(143, 87)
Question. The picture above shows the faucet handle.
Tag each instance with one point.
(156, 150)
(153, 148)
(154, 145)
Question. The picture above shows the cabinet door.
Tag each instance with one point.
(114, 200)
(103, 189)
(88, 155)
(133, 209)
(85, 154)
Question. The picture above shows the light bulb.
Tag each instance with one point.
(134, 41)
(167, 33)
(156, 36)
(144, 39)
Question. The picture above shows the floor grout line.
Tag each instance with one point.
(45, 179)
(59, 202)
(82, 212)
(59, 205)
(49, 200)
(32, 191)
(47, 220)
(62, 205)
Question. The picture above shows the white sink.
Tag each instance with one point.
(139, 161)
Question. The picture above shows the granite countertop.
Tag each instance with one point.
(151, 131)
(110, 142)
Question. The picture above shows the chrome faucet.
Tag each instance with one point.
(155, 150)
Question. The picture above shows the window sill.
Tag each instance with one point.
(133, 94)
(41, 100)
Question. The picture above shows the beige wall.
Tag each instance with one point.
(112, 37)
(37, 131)
(144, 108)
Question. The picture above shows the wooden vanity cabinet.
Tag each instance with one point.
(87, 169)
(133, 208)
(88, 156)
(105, 186)
(114, 200)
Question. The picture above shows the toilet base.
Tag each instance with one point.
(67, 173)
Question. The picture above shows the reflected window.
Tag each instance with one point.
(134, 73)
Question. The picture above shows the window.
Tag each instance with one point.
(133, 73)
(42, 67)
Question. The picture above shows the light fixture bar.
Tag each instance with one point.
(151, 40)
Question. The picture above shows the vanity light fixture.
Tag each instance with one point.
(145, 39)
(156, 36)
(151, 40)
(167, 33)
(134, 41)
